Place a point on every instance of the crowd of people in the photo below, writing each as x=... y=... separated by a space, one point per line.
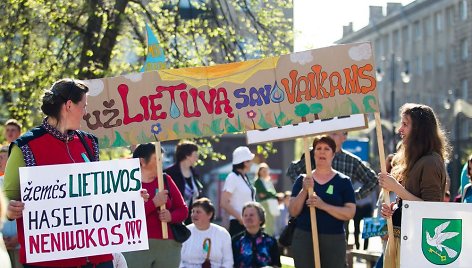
x=344 y=187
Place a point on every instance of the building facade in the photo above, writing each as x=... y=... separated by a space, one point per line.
x=423 y=54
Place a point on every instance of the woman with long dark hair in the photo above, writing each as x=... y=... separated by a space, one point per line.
x=419 y=172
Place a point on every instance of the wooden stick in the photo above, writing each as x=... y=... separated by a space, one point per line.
x=383 y=168
x=160 y=183
x=314 y=226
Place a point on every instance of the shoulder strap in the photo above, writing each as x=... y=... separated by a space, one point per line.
x=85 y=144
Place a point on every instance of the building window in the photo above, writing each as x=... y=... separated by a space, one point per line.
x=450 y=16
x=452 y=55
x=441 y=58
x=417 y=30
x=385 y=46
x=464 y=49
x=396 y=40
x=463 y=9
x=405 y=35
x=439 y=22
x=418 y=65
x=428 y=62
x=465 y=89
x=428 y=26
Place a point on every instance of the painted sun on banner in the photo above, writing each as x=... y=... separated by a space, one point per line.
x=230 y=98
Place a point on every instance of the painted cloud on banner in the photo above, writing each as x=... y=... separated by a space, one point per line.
x=95 y=86
x=301 y=57
x=360 y=52
x=135 y=77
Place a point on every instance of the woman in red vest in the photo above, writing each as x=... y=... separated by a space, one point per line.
x=55 y=141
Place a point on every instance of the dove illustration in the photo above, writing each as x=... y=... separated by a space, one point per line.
x=439 y=237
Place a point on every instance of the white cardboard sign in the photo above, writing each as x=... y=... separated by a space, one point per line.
x=351 y=122
x=82 y=209
x=436 y=234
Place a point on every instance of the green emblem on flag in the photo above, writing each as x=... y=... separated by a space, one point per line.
x=441 y=240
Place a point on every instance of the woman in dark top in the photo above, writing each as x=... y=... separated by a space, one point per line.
x=334 y=202
x=184 y=175
x=253 y=247
x=419 y=172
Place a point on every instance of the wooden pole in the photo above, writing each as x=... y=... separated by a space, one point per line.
x=383 y=168
x=314 y=226
x=160 y=183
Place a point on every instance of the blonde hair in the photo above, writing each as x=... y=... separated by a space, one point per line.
x=261 y=166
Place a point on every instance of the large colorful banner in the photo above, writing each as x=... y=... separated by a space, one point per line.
x=235 y=97
x=436 y=234
x=82 y=209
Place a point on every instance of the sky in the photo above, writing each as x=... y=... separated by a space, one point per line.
x=319 y=23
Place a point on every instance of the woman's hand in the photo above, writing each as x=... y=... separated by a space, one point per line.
x=164 y=215
x=11 y=242
x=15 y=209
x=316 y=202
x=160 y=198
x=144 y=194
x=387 y=210
x=388 y=182
x=308 y=183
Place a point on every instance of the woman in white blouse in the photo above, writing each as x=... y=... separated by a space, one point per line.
x=194 y=250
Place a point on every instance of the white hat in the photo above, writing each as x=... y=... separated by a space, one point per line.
x=241 y=154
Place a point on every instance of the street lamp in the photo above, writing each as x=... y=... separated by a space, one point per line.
x=405 y=77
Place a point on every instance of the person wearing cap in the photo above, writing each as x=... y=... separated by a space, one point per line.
x=237 y=189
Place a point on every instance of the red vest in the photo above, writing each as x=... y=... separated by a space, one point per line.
x=46 y=149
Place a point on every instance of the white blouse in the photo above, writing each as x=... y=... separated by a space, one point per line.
x=221 y=254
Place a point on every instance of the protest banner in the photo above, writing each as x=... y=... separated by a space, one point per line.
x=436 y=234
x=351 y=122
x=234 y=97
x=82 y=209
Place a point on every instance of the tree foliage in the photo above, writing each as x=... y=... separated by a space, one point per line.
x=44 y=40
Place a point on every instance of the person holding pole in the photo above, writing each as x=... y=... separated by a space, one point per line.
x=56 y=141
x=334 y=202
x=419 y=172
x=162 y=252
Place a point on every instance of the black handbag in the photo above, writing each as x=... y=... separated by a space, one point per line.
x=180 y=231
x=286 y=236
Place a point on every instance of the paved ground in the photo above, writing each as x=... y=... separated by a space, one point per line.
x=375 y=244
